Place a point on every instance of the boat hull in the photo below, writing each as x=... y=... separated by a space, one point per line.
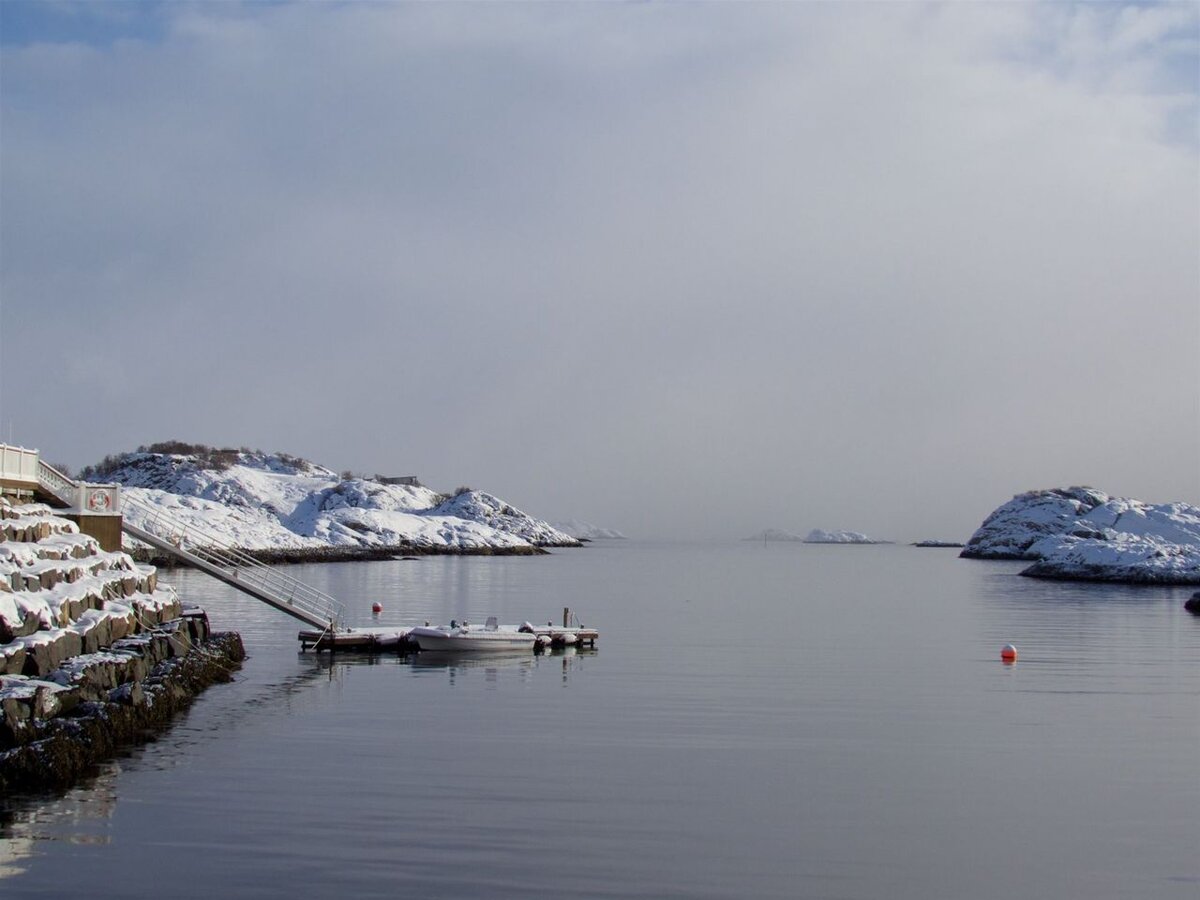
x=467 y=640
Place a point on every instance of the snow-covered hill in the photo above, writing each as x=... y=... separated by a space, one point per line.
x=1080 y=532
x=275 y=502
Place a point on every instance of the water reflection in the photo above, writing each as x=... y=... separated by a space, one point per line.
x=492 y=666
x=763 y=723
x=26 y=819
x=80 y=816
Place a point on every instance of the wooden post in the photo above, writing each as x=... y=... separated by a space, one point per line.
x=566 y=616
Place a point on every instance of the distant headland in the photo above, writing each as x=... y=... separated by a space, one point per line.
x=280 y=507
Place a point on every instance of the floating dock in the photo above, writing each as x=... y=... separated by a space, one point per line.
x=396 y=640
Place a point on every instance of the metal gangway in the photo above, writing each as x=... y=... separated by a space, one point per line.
x=211 y=554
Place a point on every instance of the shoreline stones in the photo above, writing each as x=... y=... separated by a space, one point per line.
x=95 y=654
x=51 y=736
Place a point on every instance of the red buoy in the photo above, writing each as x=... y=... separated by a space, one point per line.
x=1008 y=653
x=377 y=608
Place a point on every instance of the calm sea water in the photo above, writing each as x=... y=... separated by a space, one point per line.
x=757 y=721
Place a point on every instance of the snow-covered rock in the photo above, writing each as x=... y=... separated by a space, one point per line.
x=817 y=536
x=477 y=506
x=586 y=531
x=275 y=502
x=1119 y=557
x=1013 y=528
x=1080 y=532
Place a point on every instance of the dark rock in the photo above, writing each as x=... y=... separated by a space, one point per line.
x=15 y=726
x=45 y=703
x=54 y=753
x=130 y=694
x=13 y=661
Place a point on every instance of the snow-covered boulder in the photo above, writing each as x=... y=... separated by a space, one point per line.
x=817 y=536
x=1080 y=532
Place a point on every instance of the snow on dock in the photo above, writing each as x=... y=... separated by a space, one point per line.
x=384 y=639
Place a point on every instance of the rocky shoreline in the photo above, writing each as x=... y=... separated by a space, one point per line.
x=50 y=739
x=95 y=653
x=1133 y=575
x=155 y=557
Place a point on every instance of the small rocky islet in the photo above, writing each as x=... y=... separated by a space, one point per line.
x=815 y=536
x=1084 y=534
x=1072 y=533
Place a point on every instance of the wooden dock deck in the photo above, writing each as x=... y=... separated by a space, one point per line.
x=396 y=640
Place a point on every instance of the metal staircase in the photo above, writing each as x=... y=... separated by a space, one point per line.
x=211 y=554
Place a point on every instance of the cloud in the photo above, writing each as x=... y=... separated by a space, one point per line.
x=853 y=266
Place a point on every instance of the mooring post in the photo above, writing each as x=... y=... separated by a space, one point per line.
x=566 y=616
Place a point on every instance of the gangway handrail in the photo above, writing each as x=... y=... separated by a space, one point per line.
x=240 y=565
x=230 y=563
x=57 y=483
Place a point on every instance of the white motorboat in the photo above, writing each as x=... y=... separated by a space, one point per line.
x=459 y=637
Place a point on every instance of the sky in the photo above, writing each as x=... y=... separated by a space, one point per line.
x=684 y=270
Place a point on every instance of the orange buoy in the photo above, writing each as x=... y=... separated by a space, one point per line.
x=377 y=608
x=1008 y=653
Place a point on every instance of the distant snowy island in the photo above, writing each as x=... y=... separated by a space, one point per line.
x=816 y=536
x=280 y=505
x=586 y=531
x=1083 y=533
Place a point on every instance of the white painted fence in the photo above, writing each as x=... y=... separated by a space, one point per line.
x=18 y=463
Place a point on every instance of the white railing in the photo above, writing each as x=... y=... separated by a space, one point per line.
x=80 y=496
x=58 y=484
x=240 y=568
x=18 y=463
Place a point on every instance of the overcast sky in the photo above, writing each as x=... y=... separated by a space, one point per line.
x=669 y=268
